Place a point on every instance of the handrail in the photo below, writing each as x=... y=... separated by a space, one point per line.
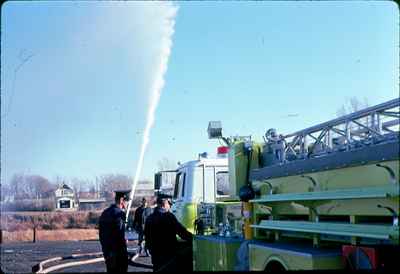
x=352 y=116
x=374 y=124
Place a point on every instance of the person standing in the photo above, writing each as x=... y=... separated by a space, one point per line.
x=161 y=228
x=147 y=211
x=138 y=224
x=112 y=234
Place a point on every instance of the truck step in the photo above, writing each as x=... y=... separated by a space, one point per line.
x=381 y=232
x=389 y=191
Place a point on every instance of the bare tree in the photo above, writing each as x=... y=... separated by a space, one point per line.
x=352 y=104
x=38 y=187
x=16 y=186
x=92 y=190
x=108 y=183
x=29 y=187
x=78 y=185
x=165 y=164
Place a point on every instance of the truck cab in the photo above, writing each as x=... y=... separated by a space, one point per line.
x=204 y=180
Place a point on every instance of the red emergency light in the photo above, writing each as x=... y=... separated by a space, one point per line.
x=222 y=150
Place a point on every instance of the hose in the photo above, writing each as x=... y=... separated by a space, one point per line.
x=40 y=266
x=56 y=267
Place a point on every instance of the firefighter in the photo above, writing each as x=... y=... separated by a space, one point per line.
x=160 y=232
x=112 y=234
x=141 y=213
x=146 y=213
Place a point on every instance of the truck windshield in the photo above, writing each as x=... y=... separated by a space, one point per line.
x=179 y=190
x=222 y=180
x=177 y=183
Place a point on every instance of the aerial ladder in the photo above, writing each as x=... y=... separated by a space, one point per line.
x=325 y=197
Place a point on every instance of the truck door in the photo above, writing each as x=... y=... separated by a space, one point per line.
x=208 y=184
x=179 y=194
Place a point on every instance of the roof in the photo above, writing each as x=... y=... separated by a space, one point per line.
x=101 y=200
x=65 y=186
x=206 y=162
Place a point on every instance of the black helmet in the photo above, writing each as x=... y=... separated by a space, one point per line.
x=161 y=197
x=122 y=194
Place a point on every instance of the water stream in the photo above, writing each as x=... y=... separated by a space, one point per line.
x=155 y=93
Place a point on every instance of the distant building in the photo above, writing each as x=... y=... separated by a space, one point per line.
x=92 y=203
x=87 y=195
x=144 y=189
x=65 y=198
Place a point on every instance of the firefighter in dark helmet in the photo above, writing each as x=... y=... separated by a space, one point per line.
x=112 y=234
x=161 y=228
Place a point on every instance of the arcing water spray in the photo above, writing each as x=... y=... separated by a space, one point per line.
x=158 y=84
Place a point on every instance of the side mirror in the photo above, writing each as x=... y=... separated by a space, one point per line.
x=157 y=181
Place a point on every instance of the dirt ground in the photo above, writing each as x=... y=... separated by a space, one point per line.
x=21 y=257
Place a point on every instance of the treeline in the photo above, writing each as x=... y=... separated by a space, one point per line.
x=28 y=205
x=36 y=193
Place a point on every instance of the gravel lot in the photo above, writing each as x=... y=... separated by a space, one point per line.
x=21 y=257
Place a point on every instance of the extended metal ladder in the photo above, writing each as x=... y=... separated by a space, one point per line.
x=371 y=125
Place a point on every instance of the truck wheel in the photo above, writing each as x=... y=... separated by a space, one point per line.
x=274 y=266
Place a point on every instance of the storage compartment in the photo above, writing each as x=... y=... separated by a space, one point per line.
x=215 y=253
x=286 y=256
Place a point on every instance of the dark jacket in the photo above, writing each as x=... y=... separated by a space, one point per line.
x=112 y=231
x=160 y=232
x=147 y=211
x=138 y=219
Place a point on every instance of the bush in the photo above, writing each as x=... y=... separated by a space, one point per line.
x=93 y=219
x=50 y=220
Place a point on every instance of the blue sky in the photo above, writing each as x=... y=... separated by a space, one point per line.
x=79 y=103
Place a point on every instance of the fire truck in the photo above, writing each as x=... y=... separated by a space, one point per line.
x=204 y=180
x=325 y=197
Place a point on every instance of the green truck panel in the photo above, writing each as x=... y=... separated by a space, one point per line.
x=266 y=257
x=215 y=253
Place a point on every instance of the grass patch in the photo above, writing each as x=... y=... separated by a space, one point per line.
x=20 y=221
x=51 y=235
